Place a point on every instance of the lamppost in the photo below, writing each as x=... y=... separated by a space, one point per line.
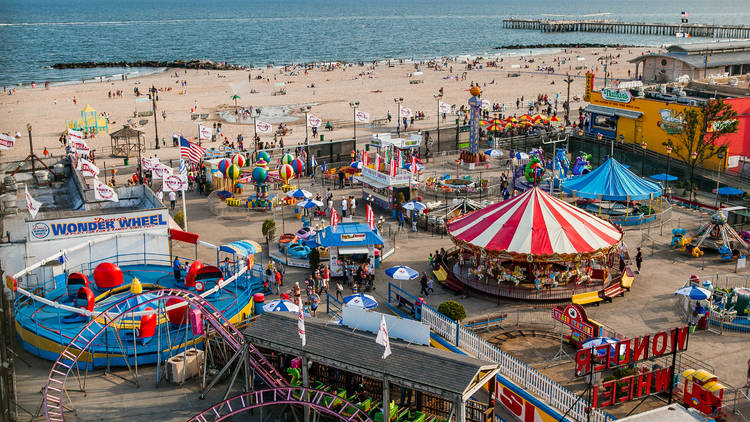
x=256 y=114
x=306 y=109
x=438 y=97
x=568 y=80
x=720 y=156
x=669 y=156
x=153 y=108
x=644 y=145
x=398 y=102
x=693 y=156
x=354 y=105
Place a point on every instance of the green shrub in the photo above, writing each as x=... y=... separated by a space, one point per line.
x=314 y=258
x=452 y=310
x=268 y=229
x=179 y=218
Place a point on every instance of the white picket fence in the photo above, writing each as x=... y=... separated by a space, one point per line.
x=520 y=373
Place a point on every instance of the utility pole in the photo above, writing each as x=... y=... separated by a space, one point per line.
x=568 y=80
x=438 y=97
x=306 y=110
x=153 y=107
x=354 y=105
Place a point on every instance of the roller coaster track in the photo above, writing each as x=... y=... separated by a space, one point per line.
x=322 y=401
x=54 y=390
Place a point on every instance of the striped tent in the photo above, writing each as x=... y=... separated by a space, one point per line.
x=535 y=226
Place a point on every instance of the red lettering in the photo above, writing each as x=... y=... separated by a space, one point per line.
x=659 y=347
x=602 y=350
x=623 y=352
x=595 y=396
x=583 y=362
x=662 y=378
x=625 y=389
x=644 y=384
x=682 y=335
x=512 y=402
x=529 y=415
x=608 y=390
x=640 y=347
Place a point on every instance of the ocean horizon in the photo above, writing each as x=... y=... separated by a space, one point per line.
x=36 y=34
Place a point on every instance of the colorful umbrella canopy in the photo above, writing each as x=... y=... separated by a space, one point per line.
x=414 y=205
x=239 y=160
x=309 y=203
x=419 y=167
x=298 y=165
x=356 y=165
x=264 y=156
x=260 y=174
x=287 y=158
x=535 y=223
x=401 y=272
x=224 y=166
x=554 y=119
x=493 y=125
x=279 y=305
x=299 y=194
x=361 y=300
x=599 y=341
x=233 y=172
x=494 y=153
x=694 y=293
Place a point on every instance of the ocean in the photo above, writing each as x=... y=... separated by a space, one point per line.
x=34 y=34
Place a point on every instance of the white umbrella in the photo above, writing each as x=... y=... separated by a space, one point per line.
x=694 y=293
x=299 y=194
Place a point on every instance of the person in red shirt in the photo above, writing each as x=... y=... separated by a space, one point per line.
x=278 y=281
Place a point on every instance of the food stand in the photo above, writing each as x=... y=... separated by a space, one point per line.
x=384 y=189
x=355 y=242
x=385 y=140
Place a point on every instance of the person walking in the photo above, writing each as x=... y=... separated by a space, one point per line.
x=638 y=261
x=352 y=205
x=160 y=196
x=423 y=283
x=172 y=199
x=314 y=302
x=344 y=206
x=339 y=291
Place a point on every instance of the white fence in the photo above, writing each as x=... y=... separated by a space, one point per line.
x=525 y=376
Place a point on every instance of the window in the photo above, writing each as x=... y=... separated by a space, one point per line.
x=605 y=122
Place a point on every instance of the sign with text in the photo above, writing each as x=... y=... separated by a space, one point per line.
x=174 y=182
x=6 y=141
x=96 y=225
x=618 y=95
x=589 y=86
x=160 y=170
x=631 y=387
x=574 y=316
x=313 y=121
x=353 y=237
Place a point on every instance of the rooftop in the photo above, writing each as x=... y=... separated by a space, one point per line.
x=696 y=60
x=710 y=47
x=349 y=234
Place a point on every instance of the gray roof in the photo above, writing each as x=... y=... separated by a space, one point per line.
x=709 y=47
x=126 y=132
x=409 y=364
x=696 y=61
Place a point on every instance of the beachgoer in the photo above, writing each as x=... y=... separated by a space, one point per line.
x=638 y=260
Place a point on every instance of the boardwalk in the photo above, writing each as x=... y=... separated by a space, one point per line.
x=616 y=27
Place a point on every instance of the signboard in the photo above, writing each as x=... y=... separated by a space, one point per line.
x=362 y=117
x=6 y=141
x=631 y=387
x=522 y=405
x=174 y=182
x=313 y=121
x=574 y=316
x=353 y=237
x=444 y=107
x=204 y=133
x=617 y=95
x=263 y=127
x=589 y=86
x=160 y=170
x=96 y=225
x=148 y=163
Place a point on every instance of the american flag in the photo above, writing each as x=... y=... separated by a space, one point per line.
x=684 y=14
x=183 y=167
x=191 y=151
x=370 y=217
x=334 y=219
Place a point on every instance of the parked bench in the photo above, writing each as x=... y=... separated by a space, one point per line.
x=612 y=292
x=586 y=298
x=487 y=321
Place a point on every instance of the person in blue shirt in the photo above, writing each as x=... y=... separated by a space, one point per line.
x=178 y=267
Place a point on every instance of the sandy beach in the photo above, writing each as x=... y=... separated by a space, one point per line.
x=328 y=92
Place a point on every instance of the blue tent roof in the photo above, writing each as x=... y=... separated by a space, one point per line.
x=349 y=234
x=613 y=182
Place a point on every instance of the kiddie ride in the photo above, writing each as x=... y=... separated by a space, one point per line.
x=703 y=392
x=716 y=234
x=363 y=402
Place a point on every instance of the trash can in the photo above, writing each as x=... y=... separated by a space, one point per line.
x=322 y=137
x=258 y=300
x=367 y=147
x=125 y=161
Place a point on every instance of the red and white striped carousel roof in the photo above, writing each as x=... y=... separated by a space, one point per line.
x=534 y=223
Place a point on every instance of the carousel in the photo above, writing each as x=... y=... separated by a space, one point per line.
x=535 y=247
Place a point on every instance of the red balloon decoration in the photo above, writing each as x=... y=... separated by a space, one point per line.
x=108 y=275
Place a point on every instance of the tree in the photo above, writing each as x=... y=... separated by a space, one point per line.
x=452 y=310
x=314 y=259
x=702 y=129
x=268 y=229
x=179 y=218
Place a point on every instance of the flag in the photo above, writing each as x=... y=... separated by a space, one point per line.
x=399 y=162
x=301 y=326
x=77 y=144
x=377 y=162
x=31 y=204
x=182 y=170
x=174 y=182
x=191 y=151
x=392 y=168
x=87 y=168
x=334 y=219
x=313 y=121
x=313 y=163
x=370 y=217
x=444 y=107
x=148 y=163
x=362 y=117
x=161 y=170
x=263 y=127
x=413 y=163
x=405 y=112
x=382 y=338
x=6 y=141
x=204 y=133
x=365 y=159
x=103 y=192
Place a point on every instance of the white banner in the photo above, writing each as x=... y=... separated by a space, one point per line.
x=486 y=104
x=444 y=107
x=160 y=170
x=313 y=121
x=362 y=117
x=98 y=225
x=31 y=204
x=263 y=127
x=103 y=192
x=204 y=133
x=77 y=143
x=7 y=141
x=405 y=112
x=87 y=168
x=174 y=182
x=75 y=134
x=148 y=163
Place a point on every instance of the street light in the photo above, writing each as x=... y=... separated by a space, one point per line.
x=398 y=102
x=306 y=109
x=669 y=156
x=644 y=145
x=354 y=105
x=438 y=97
x=256 y=114
x=568 y=80
x=720 y=156
x=153 y=108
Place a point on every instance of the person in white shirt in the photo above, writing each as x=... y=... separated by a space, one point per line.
x=160 y=196
x=344 y=206
x=172 y=199
x=352 y=205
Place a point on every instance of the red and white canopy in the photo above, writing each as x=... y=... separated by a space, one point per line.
x=534 y=223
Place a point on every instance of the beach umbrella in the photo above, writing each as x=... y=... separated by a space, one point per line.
x=280 y=305
x=356 y=165
x=239 y=160
x=309 y=203
x=492 y=125
x=287 y=158
x=264 y=156
x=522 y=156
x=414 y=205
x=233 y=172
x=525 y=117
x=224 y=165
x=299 y=194
x=598 y=341
x=361 y=300
x=728 y=190
x=286 y=173
x=537 y=117
x=512 y=119
x=401 y=272
x=554 y=119
x=663 y=177
x=298 y=166
x=260 y=175
x=493 y=153
x=694 y=293
x=419 y=167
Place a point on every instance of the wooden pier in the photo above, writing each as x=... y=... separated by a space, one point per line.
x=616 y=27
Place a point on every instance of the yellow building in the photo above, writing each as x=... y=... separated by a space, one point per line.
x=651 y=119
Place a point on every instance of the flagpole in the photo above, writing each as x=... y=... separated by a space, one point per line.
x=184 y=209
